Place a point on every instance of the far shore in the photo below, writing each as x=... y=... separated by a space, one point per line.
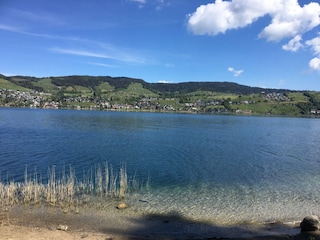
x=41 y=222
x=244 y=114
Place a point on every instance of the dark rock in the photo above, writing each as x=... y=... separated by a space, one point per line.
x=310 y=223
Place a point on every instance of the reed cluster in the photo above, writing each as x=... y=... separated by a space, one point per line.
x=65 y=189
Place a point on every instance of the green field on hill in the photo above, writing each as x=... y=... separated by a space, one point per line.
x=121 y=93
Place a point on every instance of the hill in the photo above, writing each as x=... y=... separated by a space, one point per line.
x=123 y=82
x=124 y=93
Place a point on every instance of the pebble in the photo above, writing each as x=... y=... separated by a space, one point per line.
x=62 y=227
x=122 y=206
x=84 y=235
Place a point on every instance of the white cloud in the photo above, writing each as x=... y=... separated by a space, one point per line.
x=314 y=64
x=86 y=47
x=288 y=17
x=236 y=73
x=294 y=44
x=9 y=28
x=20 y=31
x=158 y=4
x=292 y=19
x=103 y=52
x=161 y=4
x=139 y=1
x=218 y=17
x=314 y=44
x=101 y=64
x=44 y=17
x=163 y=81
x=80 y=53
x=289 y=20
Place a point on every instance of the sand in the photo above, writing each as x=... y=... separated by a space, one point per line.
x=41 y=222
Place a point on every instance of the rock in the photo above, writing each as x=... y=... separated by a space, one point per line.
x=62 y=227
x=310 y=223
x=84 y=235
x=122 y=206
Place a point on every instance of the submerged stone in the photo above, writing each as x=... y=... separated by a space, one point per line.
x=310 y=223
x=122 y=206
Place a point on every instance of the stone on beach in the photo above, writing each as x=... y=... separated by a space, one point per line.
x=62 y=227
x=310 y=223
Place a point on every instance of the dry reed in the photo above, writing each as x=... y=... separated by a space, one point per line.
x=123 y=181
x=99 y=181
x=65 y=190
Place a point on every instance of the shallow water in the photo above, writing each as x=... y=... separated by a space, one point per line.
x=224 y=169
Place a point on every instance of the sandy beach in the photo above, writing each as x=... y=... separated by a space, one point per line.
x=40 y=222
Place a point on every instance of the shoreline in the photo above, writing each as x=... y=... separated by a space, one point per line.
x=43 y=222
x=170 y=112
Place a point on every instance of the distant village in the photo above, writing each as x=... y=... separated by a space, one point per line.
x=35 y=99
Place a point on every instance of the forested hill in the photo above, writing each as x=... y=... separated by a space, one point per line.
x=130 y=94
x=223 y=87
x=124 y=82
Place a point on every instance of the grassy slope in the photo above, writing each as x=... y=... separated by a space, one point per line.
x=132 y=91
x=46 y=85
x=9 y=85
x=138 y=90
x=105 y=87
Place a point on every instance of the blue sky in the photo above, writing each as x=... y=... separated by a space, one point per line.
x=263 y=43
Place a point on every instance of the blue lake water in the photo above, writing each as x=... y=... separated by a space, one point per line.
x=225 y=169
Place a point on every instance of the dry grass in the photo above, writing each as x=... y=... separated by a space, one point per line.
x=66 y=191
x=99 y=181
x=123 y=181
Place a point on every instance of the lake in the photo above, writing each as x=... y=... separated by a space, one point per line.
x=226 y=169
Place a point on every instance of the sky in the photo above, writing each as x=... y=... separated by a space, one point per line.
x=260 y=43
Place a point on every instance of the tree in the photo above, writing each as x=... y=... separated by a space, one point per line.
x=59 y=96
x=226 y=104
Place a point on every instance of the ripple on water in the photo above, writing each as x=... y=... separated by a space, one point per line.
x=226 y=206
x=221 y=168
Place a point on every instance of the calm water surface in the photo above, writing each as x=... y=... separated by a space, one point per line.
x=219 y=168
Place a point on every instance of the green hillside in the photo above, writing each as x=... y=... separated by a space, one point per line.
x=123 y=93
x=51 y=84
x=10 y=85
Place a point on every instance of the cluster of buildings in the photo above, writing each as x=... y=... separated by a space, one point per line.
x=275 y=96
x=34 y=99
x=315 y=111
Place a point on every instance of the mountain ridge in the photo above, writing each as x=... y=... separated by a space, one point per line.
x=124 y=82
